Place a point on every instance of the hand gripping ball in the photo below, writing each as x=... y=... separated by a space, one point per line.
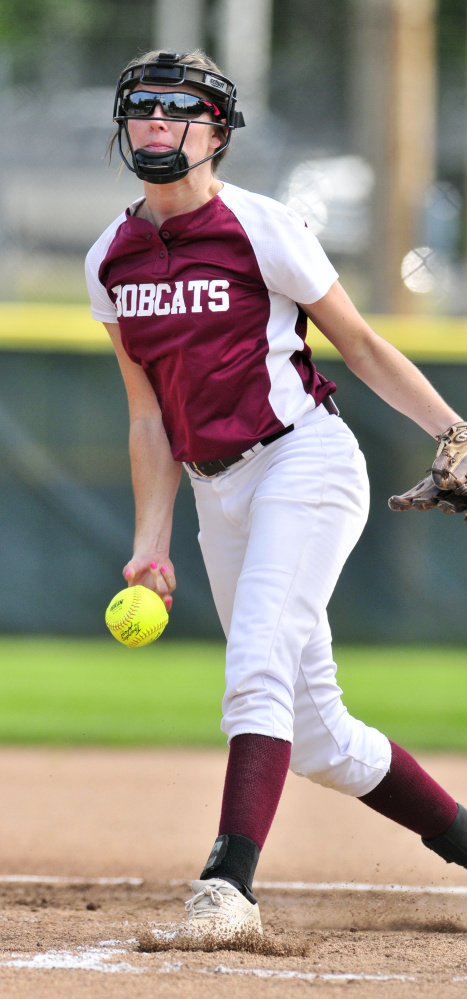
x=136 y=616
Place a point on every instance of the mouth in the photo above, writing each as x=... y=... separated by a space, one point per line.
x=158 y=147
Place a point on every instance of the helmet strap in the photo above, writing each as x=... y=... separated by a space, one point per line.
x=161 y=168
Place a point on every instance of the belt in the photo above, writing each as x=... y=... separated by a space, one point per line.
x=210 y=468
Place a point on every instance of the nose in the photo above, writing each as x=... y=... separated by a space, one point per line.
x=158 y=111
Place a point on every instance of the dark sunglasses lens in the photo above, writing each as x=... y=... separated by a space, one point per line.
x=184 y=106
x=142 y=103
x=195 y=106
x=139 y=103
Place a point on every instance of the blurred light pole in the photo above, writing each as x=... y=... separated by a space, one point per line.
x=244 y=46
x=394 y=90
x=178 y=24
x=243 y=40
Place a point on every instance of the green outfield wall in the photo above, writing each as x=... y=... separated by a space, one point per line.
x=66 y=508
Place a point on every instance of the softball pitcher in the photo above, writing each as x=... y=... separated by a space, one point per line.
x=205 y=290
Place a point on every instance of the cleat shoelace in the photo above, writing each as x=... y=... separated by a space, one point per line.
x=203 y=901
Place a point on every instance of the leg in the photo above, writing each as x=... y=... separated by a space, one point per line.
x=300 y=507
x=305 y=513
x=333 y=749
x=409 y=796
x=255 y=761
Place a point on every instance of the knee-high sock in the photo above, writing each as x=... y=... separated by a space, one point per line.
x=409 y=796
x=256 y=772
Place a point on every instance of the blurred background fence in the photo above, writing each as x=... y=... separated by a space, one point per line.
x=356 y=114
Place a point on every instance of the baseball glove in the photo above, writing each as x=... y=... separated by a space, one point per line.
x=426 y=495
x=449 y=469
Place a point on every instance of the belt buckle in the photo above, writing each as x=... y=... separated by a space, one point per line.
x=199 y=472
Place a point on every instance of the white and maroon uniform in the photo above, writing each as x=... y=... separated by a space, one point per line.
x=208 y=307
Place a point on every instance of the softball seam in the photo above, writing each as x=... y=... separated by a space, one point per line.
x=119 y=625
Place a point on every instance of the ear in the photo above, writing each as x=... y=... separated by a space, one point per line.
x=218 y=137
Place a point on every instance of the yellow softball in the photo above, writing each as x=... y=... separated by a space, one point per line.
x=136 y=616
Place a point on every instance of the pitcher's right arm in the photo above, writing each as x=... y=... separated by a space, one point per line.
x=155 y=477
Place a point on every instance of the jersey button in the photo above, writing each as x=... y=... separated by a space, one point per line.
x=162 y=253
x=165 y=234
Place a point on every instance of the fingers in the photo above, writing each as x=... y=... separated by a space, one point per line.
x=160 y=578
x=164 y=582
x=423 y=503
x=129 y=573
x=399 y=504
x=446 y=507
x=163 y=577
x=425 y=496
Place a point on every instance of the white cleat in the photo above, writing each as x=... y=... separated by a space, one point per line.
x=220 y=911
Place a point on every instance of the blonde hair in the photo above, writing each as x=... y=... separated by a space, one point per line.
x=199 y=60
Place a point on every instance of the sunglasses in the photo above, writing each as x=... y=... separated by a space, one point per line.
x=142 y=104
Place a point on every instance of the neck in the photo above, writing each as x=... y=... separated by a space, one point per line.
x=163 y=201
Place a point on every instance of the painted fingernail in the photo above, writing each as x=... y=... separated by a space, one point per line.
x=163 y=568
x=128 y=574
x=153 y=565
x=168 y=603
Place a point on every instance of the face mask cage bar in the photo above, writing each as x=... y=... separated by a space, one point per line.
x=167 y=70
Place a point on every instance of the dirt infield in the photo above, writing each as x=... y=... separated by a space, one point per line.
x=96 y=847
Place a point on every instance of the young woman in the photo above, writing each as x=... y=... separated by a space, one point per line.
x=205 y=290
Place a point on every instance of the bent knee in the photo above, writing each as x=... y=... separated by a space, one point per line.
x=349 y=771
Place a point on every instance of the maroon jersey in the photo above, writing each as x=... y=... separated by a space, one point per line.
x=208 y=307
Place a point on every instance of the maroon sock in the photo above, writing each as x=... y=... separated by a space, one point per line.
x=409 y=796
x=256 y=773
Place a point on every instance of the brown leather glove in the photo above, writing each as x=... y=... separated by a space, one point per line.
x=426 y=495
x=449 y=469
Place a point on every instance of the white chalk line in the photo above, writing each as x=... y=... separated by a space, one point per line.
x=173 y=967
x=310 y=976
x=351 y=886
x=57 y=879
x=102 y=958
x=362 y=887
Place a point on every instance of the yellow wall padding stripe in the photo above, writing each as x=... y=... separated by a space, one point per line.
x=49 y=327
x=42 y=326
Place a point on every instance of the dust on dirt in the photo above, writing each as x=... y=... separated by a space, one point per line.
x=149 y=818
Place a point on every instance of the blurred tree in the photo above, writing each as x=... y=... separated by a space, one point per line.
x=73 y=42
x=43 y=36
x=20 y=22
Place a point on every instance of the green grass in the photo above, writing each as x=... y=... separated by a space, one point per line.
x=417 y=696
x=99 y=692
x=84 y=691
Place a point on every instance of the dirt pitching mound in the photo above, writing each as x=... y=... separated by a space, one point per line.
x=252 y=942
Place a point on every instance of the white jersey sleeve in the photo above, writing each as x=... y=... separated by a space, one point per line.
x=102 y=307
x=291 y=260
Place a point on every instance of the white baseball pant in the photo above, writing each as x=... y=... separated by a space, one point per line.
x=275 y=532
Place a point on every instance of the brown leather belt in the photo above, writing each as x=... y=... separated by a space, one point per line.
x=210 y=468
